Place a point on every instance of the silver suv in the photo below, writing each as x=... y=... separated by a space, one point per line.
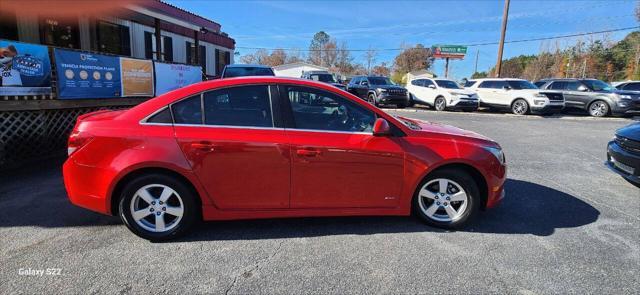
x=594 y=96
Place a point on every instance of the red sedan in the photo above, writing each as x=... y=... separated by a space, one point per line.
x=267 y=147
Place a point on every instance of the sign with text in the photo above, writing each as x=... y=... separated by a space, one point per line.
x=449 y=51
x=173 y=76
x=137 y=77
x=25 y=69
x=83 y=75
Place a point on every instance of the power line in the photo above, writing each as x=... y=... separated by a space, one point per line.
x=468 y=45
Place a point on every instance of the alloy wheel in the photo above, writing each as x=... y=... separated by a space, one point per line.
x=520 y=107
x=440 y=104
x=443 y=200
x=157 y=208
x=598 y=109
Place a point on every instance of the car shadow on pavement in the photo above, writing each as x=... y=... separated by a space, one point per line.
x=529 y=208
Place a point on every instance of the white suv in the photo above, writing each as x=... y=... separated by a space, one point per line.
x=442 y=94
x=520 y=96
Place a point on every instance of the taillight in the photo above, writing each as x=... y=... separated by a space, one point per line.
x=77 y=139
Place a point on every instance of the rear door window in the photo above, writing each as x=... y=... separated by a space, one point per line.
x=247 y=106
x=558 y=85
x=572 y=85
x=188 y=111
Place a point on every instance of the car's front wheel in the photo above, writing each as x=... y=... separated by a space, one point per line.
x=440 y=104
x=157 y=207
x=598 y=108
x=520 y=107
x=447 y=199
x=372 y=99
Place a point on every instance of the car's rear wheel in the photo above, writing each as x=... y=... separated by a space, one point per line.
x=440 y=104
x=520 y=107
x=157 y=207
x=598 y=108
x=447 y=199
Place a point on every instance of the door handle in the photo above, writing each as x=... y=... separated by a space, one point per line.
x=307 y=153
x=203 y=146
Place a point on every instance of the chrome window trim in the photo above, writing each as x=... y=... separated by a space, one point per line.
x=261 y=128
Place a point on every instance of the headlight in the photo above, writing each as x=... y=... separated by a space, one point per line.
x=381 y=90
x=539 y=95
x=625 y=96
x=458 y=93
x=498 y=153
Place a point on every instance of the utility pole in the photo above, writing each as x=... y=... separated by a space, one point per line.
x=475 y=69
x=446 y=67
x=505 y=16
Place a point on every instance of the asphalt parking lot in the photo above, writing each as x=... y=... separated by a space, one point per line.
x=568 y=225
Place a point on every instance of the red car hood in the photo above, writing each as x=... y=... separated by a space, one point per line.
x=430 y=127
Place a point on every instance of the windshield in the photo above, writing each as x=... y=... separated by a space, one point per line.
x=597 y=85
x=519 y=84
x=447 y=84
x=327 y=78
x=380 y=81
x=408 y=123
x=247 y=71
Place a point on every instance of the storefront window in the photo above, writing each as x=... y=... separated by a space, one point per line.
x=113 y=38
x=223 y=58
x=60 y=32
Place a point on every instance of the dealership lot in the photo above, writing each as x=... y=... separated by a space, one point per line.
x=568 y=225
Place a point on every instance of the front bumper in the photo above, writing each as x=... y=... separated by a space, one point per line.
x=632 y=107
x=392 y=98
x=465 y=104
x=623 y=162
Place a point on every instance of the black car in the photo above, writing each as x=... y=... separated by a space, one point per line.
x=241 y=70
x=378 y=90
x=322 y=76
x=594 y=96
x=623 y=153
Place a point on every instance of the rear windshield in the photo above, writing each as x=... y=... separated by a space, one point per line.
x=519 y=84
x=247 y=71
x=597 y=85
x=327 y=78
x=447 y=84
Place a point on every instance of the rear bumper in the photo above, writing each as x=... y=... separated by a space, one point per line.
x=616 y=154
x=85 y=186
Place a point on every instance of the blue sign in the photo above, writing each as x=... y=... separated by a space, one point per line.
x=24 y=68
x=84 y=75
x=173 y=76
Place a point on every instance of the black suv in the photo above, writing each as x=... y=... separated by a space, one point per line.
x=596 y=97
x=242 y=70
x=623 y=153
x=322 y=76
x=378 y=90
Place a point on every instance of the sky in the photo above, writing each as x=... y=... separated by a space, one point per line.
x=389 y=24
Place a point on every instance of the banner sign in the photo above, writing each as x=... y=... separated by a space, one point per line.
x=174 y=76
x=84 y=75
x=137 y=77
x=449 y=51
x=25 y=69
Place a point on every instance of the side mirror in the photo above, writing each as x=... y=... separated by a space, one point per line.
x=364 y=83
x=583 y=88
x=506 y=87
x=381 y=127
x=432 y=86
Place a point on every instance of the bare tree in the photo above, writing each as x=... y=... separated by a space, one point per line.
x=370 y=57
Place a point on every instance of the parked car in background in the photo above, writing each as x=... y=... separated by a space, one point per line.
x=627 y=85
x=378 y=90
x=243 y=70
x=520 y=96
x=442 y=94
x=594 y=96
x=323 y=76
x=623 y=153
x=207 y=150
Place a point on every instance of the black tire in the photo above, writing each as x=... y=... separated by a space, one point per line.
x=191 y=207
x=411 y=101
x=473 y=198
x=599 y=108
x=440 y=104
x=520 y=107
x=373 y=100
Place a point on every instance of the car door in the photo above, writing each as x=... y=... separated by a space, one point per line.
x=486 y=92
x=416 y=88
x=354 y=84
x=429 y=91
x=574 y=96
x=229 y=138
x=363 y=90
x=336 y=161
